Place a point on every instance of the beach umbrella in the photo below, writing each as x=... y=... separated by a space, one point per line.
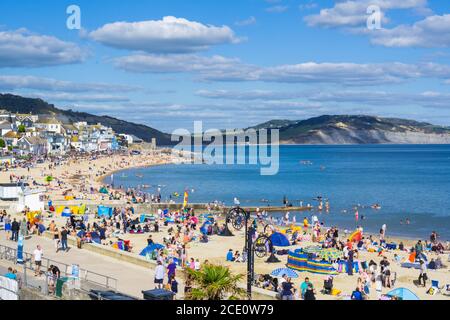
x=279 y=272
x=330 y=254
x=312 y=249
x=402 y=294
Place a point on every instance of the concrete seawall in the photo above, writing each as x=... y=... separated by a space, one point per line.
x=258 y=293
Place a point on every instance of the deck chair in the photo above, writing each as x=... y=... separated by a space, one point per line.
x=435 y=286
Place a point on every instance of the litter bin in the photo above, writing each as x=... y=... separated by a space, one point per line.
x=59 y=285
x=158 y=294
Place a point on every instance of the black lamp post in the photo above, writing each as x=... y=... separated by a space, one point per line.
x=239 y=218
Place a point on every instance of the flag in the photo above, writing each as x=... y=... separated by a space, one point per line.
x=186 y=199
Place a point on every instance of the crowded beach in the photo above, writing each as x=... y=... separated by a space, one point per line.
x=312 y=261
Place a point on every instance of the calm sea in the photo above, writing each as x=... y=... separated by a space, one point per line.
x=409 y=182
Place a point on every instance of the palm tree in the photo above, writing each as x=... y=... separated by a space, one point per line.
x=214 y=282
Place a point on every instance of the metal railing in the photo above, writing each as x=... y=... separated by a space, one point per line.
x=89 y=279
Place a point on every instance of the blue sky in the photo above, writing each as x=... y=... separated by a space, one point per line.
x=167 y=63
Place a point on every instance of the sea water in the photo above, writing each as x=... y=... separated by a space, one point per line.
x=408 y=182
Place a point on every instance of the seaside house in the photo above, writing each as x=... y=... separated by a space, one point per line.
x=132 y=139
x=50 y=125
x=57 y=143
x=7 y=116
x=5 y=127
x=32 y=145
x=11 y=138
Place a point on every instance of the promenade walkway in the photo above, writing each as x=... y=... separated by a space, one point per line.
x=132 y=279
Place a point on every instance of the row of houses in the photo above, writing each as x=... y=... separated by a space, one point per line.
x=41 y=134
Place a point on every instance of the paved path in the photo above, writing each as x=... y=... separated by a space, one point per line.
x=132 y=279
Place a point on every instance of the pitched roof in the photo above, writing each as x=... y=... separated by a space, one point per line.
x=10 y=134
x=49 y=121
x=5 y=125
x=35 y=140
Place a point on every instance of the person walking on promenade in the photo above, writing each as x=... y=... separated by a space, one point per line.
x=159 y=275
x=63 y=237
x=15 y=227
x=37 y=255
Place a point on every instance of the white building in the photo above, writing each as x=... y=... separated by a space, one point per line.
x=31 y=199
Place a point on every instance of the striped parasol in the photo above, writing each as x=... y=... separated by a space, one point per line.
x=284 y=271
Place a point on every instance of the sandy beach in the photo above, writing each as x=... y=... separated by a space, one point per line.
x=80 y=174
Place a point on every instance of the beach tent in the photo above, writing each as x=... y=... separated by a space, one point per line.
x=146 y=217
x=170 y=220
x=279 y=240
x=204 y=227
x=403 y=294
x=41 y=228
x=103 y=211
x=356 y=236
x=104 y=190
x=66 y=212
x=208 y=216
x=150 y=249
x=95 y=238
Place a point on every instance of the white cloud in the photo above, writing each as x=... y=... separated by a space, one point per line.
x=247 y=95
x=14 y=82
x=427 y=99
x=433 y=31
x=20 y=48
x=315 y=98
x=70 y=97
x=246 y=22
x=208 y=67
x=218 y=68
x=351 y=13
x=307 y=6
x=169 y=35
x=277 y=9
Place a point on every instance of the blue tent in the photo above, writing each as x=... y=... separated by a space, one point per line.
x=403 y=294
x=96 y=238
x=204 y=227
x=41 y=228
x=279 y=240
x=66 y=212
x=146 y=217
x=103 y=211
x=150 y=249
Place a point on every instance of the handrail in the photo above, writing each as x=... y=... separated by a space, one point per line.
x=10 y=254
